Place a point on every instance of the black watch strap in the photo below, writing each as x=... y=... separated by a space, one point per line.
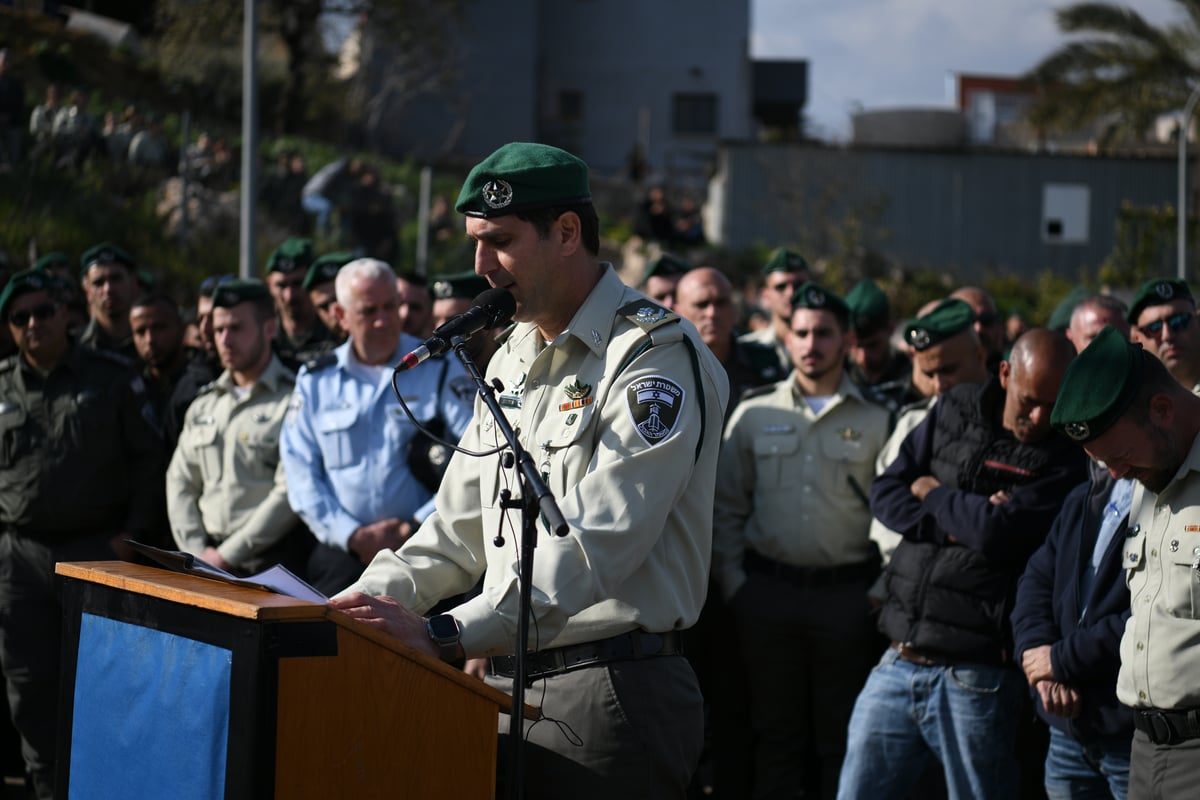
x=444 y=632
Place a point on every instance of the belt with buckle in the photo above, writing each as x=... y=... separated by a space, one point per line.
x=913 y=656
x=626 y=647
x=1167 y=727
x=864 y=571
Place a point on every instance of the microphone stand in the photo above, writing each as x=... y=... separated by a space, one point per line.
x=535 y=498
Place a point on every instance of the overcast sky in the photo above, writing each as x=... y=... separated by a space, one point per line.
x=886 y=53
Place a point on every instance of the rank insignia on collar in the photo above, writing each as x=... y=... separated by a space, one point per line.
x=648 y=314
x=849 y=435
x=597 y=338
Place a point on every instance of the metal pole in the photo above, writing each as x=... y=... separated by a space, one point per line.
x=423 y=220
x=185 y=169
x=246 y=262
x=1181 y=204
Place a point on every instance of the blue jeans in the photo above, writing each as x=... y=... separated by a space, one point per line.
x=963 y=715
x=1093 y=771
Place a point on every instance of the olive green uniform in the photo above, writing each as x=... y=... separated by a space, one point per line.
x=79 y=464
x=225 y=484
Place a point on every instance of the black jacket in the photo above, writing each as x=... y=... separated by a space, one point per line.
x=1084 y=632
x=950 y=583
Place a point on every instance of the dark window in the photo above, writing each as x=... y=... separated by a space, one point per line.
x=695 y=113
x=570 y=105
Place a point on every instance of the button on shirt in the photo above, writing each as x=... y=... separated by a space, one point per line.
x=1160 y=651
x=345 y=440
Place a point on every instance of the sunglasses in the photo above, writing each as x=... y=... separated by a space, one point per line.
x=41 y=312
x=1177 y=323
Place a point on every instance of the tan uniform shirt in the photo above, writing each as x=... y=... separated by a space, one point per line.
x=793 y=483
x=225 y=480
x=912 y=416
x=1160 y=651
x=628 y=439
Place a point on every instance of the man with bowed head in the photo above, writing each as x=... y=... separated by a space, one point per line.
x=973 y=492
x=1130 y=413
x=619 y=403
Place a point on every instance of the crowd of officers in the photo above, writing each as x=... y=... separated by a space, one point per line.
x=908 y=558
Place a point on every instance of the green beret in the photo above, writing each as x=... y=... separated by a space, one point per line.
x=523 y=176
x=326 y=268
x=24 y=282
x=810 y=295
x=1098 y=386
x=785 y=261
x=948 y=318
x=1060 y=318
x=55 y=259
x=1156 y=292
x=238 y=290
x=295 y=253
x=105 y=253
x=666 y=266
x=869 y=305
x=464 y=286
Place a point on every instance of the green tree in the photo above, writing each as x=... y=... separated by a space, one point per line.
x=1118 y=70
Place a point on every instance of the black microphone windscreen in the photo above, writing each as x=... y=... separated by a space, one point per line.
x=500 y=303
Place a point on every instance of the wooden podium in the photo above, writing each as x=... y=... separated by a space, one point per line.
x=183 y=687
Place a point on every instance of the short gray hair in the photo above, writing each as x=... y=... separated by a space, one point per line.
x=369 y=269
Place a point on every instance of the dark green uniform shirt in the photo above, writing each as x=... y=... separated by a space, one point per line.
x=295 y=354
x=78 y=455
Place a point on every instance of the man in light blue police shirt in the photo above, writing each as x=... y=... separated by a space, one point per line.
x=346 y=440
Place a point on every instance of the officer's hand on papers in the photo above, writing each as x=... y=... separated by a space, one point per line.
x=388 y=616
x=213 y=556
x=386 y=534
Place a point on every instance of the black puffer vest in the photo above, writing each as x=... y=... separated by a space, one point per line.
x=947 y=599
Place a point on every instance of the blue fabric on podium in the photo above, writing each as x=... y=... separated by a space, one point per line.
x=151 y=714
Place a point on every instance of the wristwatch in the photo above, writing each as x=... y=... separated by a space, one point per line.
x=444 y=633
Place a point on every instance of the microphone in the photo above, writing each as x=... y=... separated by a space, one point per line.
x=491 y=309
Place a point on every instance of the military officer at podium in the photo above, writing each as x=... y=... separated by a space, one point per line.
x=620 y=404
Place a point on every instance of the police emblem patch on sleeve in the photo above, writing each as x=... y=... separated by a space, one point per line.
x=654 y=406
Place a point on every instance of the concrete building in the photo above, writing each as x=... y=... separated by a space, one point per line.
x=672 y=77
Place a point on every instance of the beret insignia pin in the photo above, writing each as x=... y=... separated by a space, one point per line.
x=1164 y=290
x=919 y=338
x=1077 y=430
x=815 y=298
x=497 y=193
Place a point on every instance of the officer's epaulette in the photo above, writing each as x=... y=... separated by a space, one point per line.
x=646 y=314
x=206 y=388
x=503 y=335
x=323 y=361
